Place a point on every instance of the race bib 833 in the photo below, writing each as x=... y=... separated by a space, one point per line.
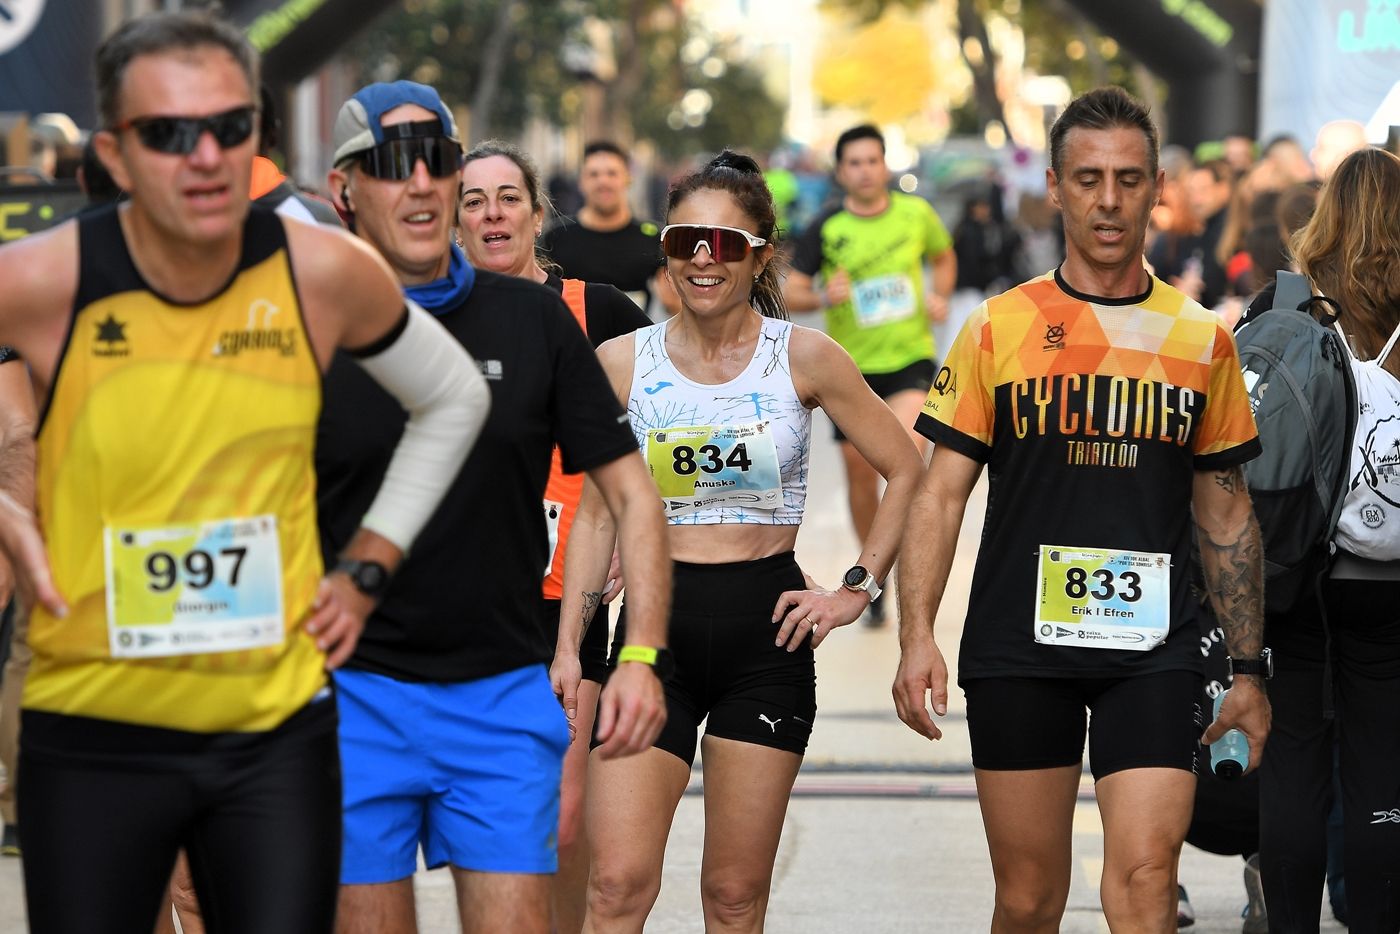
x=1102 y=599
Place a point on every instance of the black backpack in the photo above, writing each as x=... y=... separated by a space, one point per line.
x=1302 y=392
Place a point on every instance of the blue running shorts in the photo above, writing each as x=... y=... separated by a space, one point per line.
x=468 y=771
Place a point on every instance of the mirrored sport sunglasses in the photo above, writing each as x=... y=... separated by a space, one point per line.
x=179 y=135
x=394 y=159
x=725 y=244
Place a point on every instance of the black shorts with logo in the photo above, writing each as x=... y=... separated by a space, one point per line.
x=1143 y=721
x=917 y=375
x=729 y=673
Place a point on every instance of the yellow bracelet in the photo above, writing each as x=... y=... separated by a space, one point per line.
x=637 y=653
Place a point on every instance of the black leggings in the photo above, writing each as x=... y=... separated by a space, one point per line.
x=1296 y=775
x=258 y=814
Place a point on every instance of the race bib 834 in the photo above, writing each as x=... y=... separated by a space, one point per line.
x=705 y=466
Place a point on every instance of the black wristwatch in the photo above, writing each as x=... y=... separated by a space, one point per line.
x=369 y=577
x=662 y=662
x=1261 y=667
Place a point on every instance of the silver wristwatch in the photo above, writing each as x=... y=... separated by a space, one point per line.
x=861 y=580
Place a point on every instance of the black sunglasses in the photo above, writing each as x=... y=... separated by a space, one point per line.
x=404 y=144
x=179 y=135
x=394 y=159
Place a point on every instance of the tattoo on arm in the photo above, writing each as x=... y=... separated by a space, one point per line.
x=1234 y=573
x=1229 y=480
x=591 y=599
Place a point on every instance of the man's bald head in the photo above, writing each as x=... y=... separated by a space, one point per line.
x=1335 y=141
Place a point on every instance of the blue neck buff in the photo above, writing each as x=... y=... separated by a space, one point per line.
x=442 y=295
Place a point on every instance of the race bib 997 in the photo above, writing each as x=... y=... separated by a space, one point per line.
x=190 y=589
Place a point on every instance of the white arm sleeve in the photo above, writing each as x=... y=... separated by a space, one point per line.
x=438 y=382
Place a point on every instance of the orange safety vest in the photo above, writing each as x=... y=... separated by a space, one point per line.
x=564 y=490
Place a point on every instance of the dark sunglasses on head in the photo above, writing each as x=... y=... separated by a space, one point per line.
x=394 y=159
x=726 y=244
x=179 y=135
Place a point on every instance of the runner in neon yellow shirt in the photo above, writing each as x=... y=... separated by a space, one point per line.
x=869 y=253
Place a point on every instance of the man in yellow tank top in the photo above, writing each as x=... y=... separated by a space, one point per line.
x=163 y=524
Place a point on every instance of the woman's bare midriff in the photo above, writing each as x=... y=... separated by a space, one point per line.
x=722 y=544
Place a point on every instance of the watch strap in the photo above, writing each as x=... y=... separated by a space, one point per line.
x=645 y=654
x=867 y=585
x=353 y=568
x=1260 y=667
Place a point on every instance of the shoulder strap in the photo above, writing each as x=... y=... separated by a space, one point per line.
x=1389 y=346
x=1292 y=291
x=573 y=297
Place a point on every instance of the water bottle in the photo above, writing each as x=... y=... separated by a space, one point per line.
x=1229 y=755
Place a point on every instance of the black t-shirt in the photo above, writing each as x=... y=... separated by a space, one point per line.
x=608 y=312
x=1093 y=416
x=466 y=602
x=626 y=258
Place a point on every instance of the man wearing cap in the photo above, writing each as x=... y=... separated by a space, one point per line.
x=451 y=737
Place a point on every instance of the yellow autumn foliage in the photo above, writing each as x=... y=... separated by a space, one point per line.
x=884 y=69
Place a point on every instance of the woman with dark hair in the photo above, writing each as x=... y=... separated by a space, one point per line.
x=500 y=214
x=1350 y=249
x=720 y=400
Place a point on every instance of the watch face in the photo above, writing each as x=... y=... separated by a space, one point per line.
x=855 y=576
x=665 y=665
x=371 y=577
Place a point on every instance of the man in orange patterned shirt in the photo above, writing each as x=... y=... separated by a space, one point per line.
x=1110 y=410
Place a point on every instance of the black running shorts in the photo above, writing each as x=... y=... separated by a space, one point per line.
x=729 y=673
x=106 y=807
x=593 y=651
x=1146 y=721
x=917 y=375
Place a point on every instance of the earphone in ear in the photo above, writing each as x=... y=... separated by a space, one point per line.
x=345 y=198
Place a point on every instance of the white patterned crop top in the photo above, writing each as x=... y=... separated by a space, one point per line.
x=727 y=453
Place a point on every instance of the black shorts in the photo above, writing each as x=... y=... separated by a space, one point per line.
x=106 y=807
x=729 y=673
x=1145 y=721
x=593 y=651
x=917 y=375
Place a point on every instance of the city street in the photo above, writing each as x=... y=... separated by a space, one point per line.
x=883 y=834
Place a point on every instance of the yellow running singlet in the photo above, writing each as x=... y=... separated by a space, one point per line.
x=177 y=497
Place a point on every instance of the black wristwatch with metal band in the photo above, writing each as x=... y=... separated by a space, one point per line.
x=1261 y=667
x=369 y=577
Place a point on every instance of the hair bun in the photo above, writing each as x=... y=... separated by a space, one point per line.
x=729 y=159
